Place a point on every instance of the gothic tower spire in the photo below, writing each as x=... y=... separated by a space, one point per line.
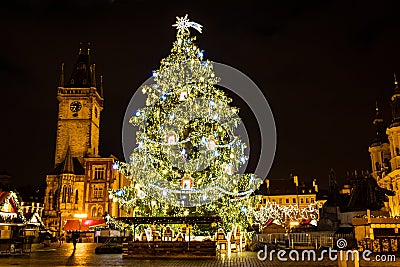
x=79 y=110
x=394 y=129
x=81 y=74
x=62 y=75
x=93 y=74
x=379 y=149
x=68 y=163
x=395 y=103
x=101 y=86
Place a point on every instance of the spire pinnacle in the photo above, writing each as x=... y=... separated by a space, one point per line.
x=378 y=119
x=396 y=84
x=93 y=74
x=68 y=163
x=62 y=75
x=101 y=85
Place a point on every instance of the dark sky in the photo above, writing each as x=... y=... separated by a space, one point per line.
x=320 y=64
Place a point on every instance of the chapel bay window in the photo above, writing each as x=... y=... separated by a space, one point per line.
x=98 y=192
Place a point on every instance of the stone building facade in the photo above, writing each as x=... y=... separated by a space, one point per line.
x=385 y=152
x=78 y=186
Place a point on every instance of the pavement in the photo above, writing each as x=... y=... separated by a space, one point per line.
x=84 y=255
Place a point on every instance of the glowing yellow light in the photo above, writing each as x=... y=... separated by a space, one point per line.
x=80 y=215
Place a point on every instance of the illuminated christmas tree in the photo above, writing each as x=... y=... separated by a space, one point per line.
x=187 y=154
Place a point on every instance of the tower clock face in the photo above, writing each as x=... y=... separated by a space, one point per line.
x=75 y=106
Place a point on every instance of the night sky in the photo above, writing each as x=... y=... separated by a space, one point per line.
x=320 y=64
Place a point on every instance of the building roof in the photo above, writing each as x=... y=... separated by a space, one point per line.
x=71 y=166
x=76 y=225
x=83 y=74
x=368 y=195
x=285 y=187
x=380 y=128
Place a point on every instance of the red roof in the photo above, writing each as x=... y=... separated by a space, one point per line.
x=3 y=196
x=73 y=225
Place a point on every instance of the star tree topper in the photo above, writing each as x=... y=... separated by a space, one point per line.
x=183 y=24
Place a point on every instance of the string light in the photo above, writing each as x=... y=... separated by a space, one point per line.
x=192 y=166
x=283 y=215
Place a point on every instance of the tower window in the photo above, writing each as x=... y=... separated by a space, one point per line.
x=64 y=194
x=95 y=112
x=69 y=194
x=99 y=173
x=76 y=196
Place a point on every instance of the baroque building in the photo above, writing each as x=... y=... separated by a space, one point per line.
x=385 y=152
x=77 y=188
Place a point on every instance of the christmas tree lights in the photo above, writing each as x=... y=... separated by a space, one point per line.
x=188 y=154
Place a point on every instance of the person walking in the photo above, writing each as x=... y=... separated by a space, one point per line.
x=61 y=239
x=75 y=238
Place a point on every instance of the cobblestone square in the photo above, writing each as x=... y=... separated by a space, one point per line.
x=85 y=256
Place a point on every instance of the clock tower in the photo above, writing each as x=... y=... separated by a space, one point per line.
x=79 y=108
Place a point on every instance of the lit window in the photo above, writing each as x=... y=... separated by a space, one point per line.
x=94 y=212
x=99 y=173
x=100 y=211
x=64 y=194
x=98 y=192
x=76 y=196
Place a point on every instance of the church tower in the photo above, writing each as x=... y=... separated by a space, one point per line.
x=80 y=105
x=394 y=129
x=380 y=149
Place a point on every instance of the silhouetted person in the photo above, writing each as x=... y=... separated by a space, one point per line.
x=75 y=236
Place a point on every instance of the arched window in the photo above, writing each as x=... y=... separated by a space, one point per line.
x=64 y=194
x=100 y=211
x=55 y=199
x=49 y=199
x=69 y=194
x=76 y=196
x=94 y=212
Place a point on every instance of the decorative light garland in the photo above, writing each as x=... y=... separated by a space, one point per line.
x=282 y=215
x=186 y=132
x=12 y=196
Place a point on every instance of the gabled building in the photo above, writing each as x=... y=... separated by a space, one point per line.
x=289 y=191
x=77 y=188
